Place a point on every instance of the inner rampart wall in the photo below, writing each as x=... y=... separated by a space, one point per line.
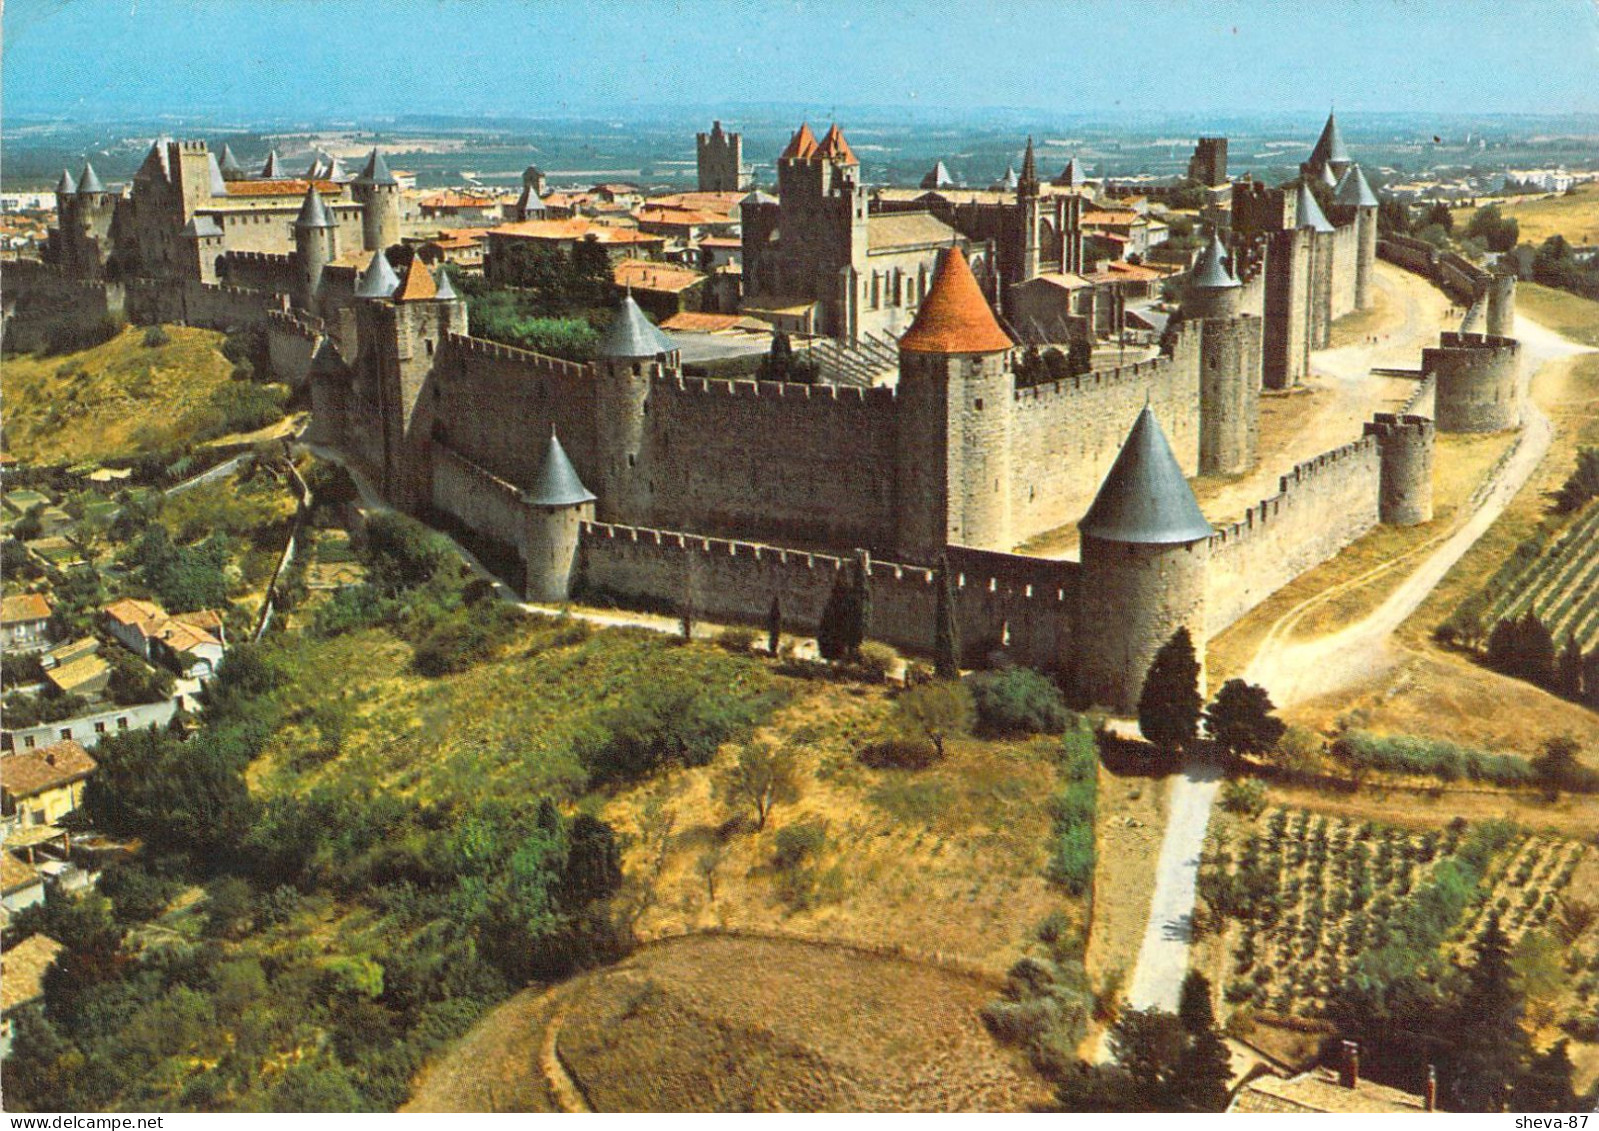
x=1066 y=434
x=808 y=464
x=482 y=501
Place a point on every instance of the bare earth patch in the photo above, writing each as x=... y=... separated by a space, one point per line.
x=712 y=1023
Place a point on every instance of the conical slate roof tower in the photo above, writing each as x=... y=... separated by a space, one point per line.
x=1145 y=498
x=630 y=334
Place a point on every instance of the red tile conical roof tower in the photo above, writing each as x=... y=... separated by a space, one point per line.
x=955 y=317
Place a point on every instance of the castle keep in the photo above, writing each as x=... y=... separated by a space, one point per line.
x=626 y=477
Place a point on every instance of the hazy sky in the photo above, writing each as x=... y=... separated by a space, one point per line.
x=103 y=57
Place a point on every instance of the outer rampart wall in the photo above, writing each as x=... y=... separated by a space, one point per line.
x=482 y=501
x=44 y=290
x=1321 y=506
x=996 y=595
x=1066 y=434
x=793 y=463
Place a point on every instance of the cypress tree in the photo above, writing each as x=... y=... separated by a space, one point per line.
x=1537 y=651
x=774 y=625
x=946 y=633
x=832 y=633
x=1590 y=679
x=1503 y=646
x=1490 y=1046
x=1546 y=1084
x=1204 y=1068
x=858 y=623
x=1169 y=705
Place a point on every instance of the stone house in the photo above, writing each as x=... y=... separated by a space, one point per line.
x=25 y=622
x=39 y=787
x=22 y=971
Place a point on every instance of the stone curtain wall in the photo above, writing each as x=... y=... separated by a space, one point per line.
x=1028 y=600
x=793 y=463
x=1321 y=506
x=43 y=289
x=291 y=343
x=482 y=501
x=497 y=405
x=1066 y=434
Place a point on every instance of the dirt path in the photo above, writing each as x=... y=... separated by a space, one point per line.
x=1297 y=671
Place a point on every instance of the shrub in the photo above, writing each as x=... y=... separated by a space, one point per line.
x=739 y=641
x=1018 y=701
x=156 y=336
x=798 y=844
x=934 y=712
x=897 y=751
x=466 y=638
x=1243 y=796
x=876 y=661
x=1446 y=761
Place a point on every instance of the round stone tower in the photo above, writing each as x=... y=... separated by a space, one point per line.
x=1405 y=444
x=631 y=354
x=557 y=507
x=1213 y=291
x=1145 y=552
x=316 y=236
x=1354 y=201
x=954 y=413
x=1478 y=382
x=1502 y=305
x=378 y=193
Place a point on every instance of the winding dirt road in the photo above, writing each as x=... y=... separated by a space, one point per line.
x=1299 y=670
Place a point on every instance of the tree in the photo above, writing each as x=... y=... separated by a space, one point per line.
x=1241 y=719
x=1546 y=1085
x=1490 y=1045
x=1204 y=1068
x=1497 y=232
x=1580 y=486
x=1393 y=217
x=1147 y=1045
x=400 y=553
x=1169 y=705
x=946 y=632
x=593 y=868
x=774 y=625
x=763 y=776
x=934 y=711
x=847 y=616
x=860 y=622
x=1557 y=764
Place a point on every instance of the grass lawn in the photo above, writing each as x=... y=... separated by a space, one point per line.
x=118 y=398
x=1574 y=215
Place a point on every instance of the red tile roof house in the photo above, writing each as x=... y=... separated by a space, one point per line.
x=25 y=622
x=192 y=643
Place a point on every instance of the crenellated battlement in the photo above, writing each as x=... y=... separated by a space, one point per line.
x=1395 y=425
x=1340 y=460
x=1451 y=339
x=1093 y=381
x=779 y=390
x=263 y=258
x=478 y=473
x=296 y=324
x=542 y=365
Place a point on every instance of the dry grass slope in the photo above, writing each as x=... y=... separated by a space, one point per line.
x=117 y=398
x=730 y=1024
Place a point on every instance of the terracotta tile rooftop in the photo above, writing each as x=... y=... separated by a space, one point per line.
x=450 y=198
x=720 y=202
x=22 y=971
x=77 y=673
x=576 y=228
x=24 y=608
x=139 y=614
x=722 y=241
x=802 y=146
x=1109 y=216
x=15 y=875
x=954 y=317
x=294 y=188
x=647 y=275
x=418 y=285
x=704 y=322
x=1320 y=1091
x=31 y=772
x=835 y=148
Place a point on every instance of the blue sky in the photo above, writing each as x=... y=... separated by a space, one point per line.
x=100 y=58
